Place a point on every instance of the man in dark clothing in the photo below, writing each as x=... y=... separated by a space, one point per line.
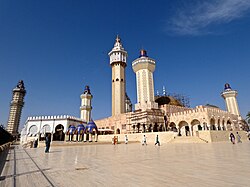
x=47 y=143
x=157 y=140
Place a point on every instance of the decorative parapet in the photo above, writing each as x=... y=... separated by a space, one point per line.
x=200 y=109
x=58 y=117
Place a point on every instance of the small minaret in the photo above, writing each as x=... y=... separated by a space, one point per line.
x=144 y=68
x=16 y=106
x=86 y=107
x=118 y=62
x=229 y=96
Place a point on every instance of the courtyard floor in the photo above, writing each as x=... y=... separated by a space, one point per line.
x=216 y=164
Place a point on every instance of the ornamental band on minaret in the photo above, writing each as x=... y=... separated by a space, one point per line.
x=16 y=106
x=118 y=62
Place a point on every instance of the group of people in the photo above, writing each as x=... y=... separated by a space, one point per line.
x=232 y=138
x=144 y=140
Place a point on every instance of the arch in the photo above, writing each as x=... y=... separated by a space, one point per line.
x=160 y=128
x=138 y=127
x=117 y=79
x=59 y=135
x=195 y=125
x=183 y=128
x=150 y=128
x=172 y=127
x=45 y=129
x=212 y=124
x=118 y=131
x=33 y=130
x=229 y=124
x=155 y=128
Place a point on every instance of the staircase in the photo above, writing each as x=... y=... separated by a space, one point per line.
x=187 y=139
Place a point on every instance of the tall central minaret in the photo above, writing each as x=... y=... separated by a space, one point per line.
x=16 y=106
x=118 y=62
x=144 y=68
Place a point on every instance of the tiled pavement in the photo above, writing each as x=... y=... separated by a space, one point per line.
x=217 y=164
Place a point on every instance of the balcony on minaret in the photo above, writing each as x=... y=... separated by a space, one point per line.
x=118 y=53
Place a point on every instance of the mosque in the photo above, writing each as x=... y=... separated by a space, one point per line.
x=152 y=113
x=161 y=113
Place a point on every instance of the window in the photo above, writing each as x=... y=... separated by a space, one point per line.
x=124 y=126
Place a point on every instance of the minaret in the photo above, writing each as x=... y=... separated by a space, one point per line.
x=118 y=62
x=230 y=98
x=16 y=106
x=86 y=107
x=144 y=68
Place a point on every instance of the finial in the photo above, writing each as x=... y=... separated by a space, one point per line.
x=143 y=53
x=20 y=85
x=86 y=90
x=118 y=38
x=227 y=87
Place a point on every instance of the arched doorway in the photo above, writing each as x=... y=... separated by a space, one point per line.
x=184 y=129
x=195 y=123
x=155 y=128
x=150 y=128
x=118 y=131
x=44 y=132
x=172 y=127
x=59 y=135
x=212 y=124
x=199 y=128
x=138 y=127
x=33 y=130
x=229 y=125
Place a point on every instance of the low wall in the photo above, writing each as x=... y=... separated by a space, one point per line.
x=221 y=136
x=164 y=137
x=4 y=149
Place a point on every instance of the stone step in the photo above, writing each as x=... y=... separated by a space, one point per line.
x=187 y=139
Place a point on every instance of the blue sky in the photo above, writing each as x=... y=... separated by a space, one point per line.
x=58 y=47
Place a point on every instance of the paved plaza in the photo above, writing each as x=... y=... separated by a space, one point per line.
x=217 y=164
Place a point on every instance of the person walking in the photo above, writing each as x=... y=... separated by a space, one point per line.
x=47 y=143
x=144 y=140
x=157 y=140
x=36 y=143
x=238 y=138
x=232 y=138
x=126 y=139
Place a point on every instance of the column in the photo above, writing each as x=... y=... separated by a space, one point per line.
x=84 y=137
x=96 y=136
x=90 y=137
x=216 y=127
x=190 y=130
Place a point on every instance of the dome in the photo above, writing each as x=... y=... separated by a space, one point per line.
x=80 y=127
x=72 y=128
x=90 y=126
x=169 y=100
